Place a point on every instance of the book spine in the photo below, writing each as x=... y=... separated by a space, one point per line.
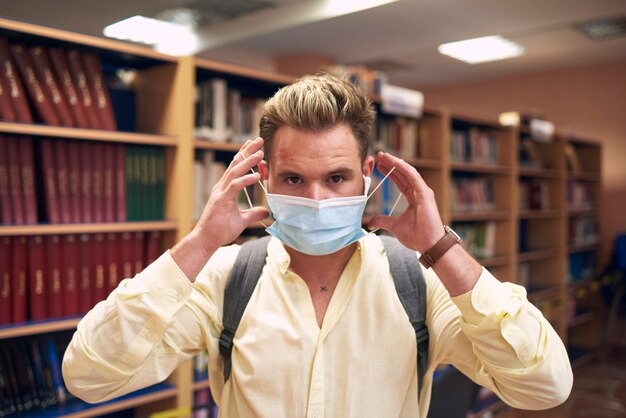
x=138 y=251
x=49 y=180
x=86 y=176
x=113 y=262
x=71 y=275
x=120 y=182
x=19 y=279
x=43 y=69
x=99 y=91
x=6 y=210
x=126 y=248
x=98 y=182
x=14 y=84
x=153 y=247
x=6 y=248
x=62 y=71
x=99 y=261
x=36 y=89
x=38 y=309
x=7 y=111
x=79 y=78
x=29 y=192
x=74 y=180
x=85 y=300
x=108 y=188
x=15 y=181
x=54 y=290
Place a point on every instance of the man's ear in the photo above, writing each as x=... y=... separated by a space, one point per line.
x=264 y=169
x=368 y=166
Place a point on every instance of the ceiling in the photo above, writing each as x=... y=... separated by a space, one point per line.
x=405 y=33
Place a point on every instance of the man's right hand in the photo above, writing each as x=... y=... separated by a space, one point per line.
x=222 y=221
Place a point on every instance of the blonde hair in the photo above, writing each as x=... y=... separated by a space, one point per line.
x=318 y=103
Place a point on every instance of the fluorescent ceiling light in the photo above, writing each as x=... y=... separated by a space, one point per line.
x=485 y=49
x=164 y=36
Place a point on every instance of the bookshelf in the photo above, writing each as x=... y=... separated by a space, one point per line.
x=482 y=175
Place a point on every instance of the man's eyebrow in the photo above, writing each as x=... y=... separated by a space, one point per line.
x=346 y=171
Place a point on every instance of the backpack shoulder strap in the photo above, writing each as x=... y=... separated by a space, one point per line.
x=411 y=289
x=241 y=283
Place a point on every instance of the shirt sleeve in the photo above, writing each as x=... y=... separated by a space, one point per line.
x=494 y=335
x=143 y=331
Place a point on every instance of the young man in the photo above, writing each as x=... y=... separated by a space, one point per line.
x=324 y=333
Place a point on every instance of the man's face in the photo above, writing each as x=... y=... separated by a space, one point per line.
x=317 y=165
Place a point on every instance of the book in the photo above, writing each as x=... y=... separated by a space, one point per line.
x=62 y=181
x=62 y=71
x=6 y=249
x=70 y=274
x=74 y=180
x=126 y=259
x=120 y=182
x=79 y=77
x=113 y=265
x=99 y=91
x=50 y=84
x=84 y=149
x=19 y=278
x=38 y=280
x=85 y=256
x=37 y=91
x=6 y=210
x=54 y=289
x=29 y=192
x=138 y=246
x=152 y=247
x=108 y=181
x=99 y=258
x=7 y=112
x=97 y=181
x=49 y=180
x=10 y=75
x=15 y=180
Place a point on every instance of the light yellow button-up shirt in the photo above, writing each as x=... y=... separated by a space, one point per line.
x=360 y=363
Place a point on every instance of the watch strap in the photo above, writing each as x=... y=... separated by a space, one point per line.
x=430 y=257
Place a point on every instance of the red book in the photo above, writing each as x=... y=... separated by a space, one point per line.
x=9 y=73
x=126 y=247
x=108 y=187
x=63 y=181
x=37 y=279
x=138 y=246
x=98 y=245
x=97 y=166
x=15 y=180
x=79 y=78
x=113 y=268
x=37 y=91
x=7 y=112
x=85 y=254
x=120 y=182
x=70 y=274
x=99 y=91
x=6 y=210
x=19 y=278
x=62 y=71
x=73 y=174
x=43 y=69
x=54 y=288
x=29 y=191
x=49 y=180
x=86 y=184
x=6 y=297
x=153 y=247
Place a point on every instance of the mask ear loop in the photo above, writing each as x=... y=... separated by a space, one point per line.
x=245 y=189
x=394 y=204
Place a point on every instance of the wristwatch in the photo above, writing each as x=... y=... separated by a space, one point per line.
x=435 y=252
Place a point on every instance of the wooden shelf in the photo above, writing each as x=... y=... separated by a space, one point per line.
x=496 y=215
x=540 y=214
x=230 y=69
x=481 y=168
x=39 y=327
x=86 y=40
x=217 y=146
x=87 y=134
x=202 y=384
x=538 y=254
x=583 y=248
x=581 y=211
x=14 y=230
x=547 y=173
x=424 y=163
x=495 y=261
x=552 y=292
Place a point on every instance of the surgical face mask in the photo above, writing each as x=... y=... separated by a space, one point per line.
x=319 y=227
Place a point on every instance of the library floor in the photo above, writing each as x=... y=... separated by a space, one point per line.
x=599 y=392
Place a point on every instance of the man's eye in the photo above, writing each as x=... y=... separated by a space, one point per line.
x=293 y=180
x=336 y=179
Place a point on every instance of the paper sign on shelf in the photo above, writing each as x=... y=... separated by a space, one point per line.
x=401 y=101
